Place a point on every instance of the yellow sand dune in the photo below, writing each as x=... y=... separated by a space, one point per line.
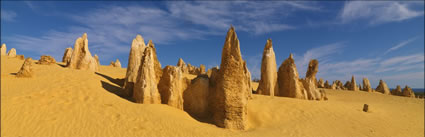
x=65 y=102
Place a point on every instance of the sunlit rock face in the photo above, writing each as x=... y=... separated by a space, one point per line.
x=134 y=60
x=383 y=88
x=366 y=85
x=408 y=92
x=231 y=87
x=288 y=80
x=268 y=81
x=145 y=89
x=81 y=57
x=171 y=87
x=3 y=49
x=12 y=52
x=26 y=70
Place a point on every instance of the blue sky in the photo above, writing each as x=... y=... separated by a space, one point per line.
x=377 y=40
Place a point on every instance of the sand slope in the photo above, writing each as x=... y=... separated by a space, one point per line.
x=65 y=102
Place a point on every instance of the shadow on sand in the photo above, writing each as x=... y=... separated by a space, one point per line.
x=117 y=90
x=63 y=66
x=119 y=82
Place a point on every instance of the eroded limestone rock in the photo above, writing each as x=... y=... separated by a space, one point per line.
x=397 y=91
x=116 y=64
x=3 y=49
x=268 y=82
x=353 y=85
x=229 y=99
x=12 y=52
x=46 y=60
x=366 y=85
x=26 y=70
x=408 y=92
x=97 y=60
x=67 y=55
x=326 y=85
x=310 y=82
x=321 y=83
x=145 y=89
x=171 y=87
x=81 y=57
x=158 y=69
x=182 y=65
x=134 y=60
x=196 y=97
x=288 y=80
x=202 y=69
x=383 y=88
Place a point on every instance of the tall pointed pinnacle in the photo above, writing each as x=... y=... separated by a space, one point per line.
x=268 y=82
x=134 y=60
x=150 y=44
x=84 y=35
x=231 y=90
x=158 y=68
x=139 y=40
x=383 y=88
x=288 y=80
x=269 y=44
x=3 y=49
x=81 y=57
x=145 y=88
x=231 y=49
x=353 y=85
x=180 y=62
x=313 y=68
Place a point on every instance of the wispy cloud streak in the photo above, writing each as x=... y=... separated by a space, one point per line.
x=111 y=29
x=378 y=12
x=402 y=44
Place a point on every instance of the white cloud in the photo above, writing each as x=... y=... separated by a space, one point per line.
x=378 y=12
x=7 y=15
x=375 y=65
x=255 y=17
x=397 y=70
x=49 y=44
x=348 y=67
x=403 y=60
x=402 y=44
x=110 y=29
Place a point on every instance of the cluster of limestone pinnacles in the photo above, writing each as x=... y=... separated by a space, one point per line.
x=11 y=53
x=25 y=70
x=81 y=57
x=219 y=95
x=382 y=87
x=285 y=81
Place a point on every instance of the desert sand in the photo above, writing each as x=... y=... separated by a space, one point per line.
x=59 y=101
